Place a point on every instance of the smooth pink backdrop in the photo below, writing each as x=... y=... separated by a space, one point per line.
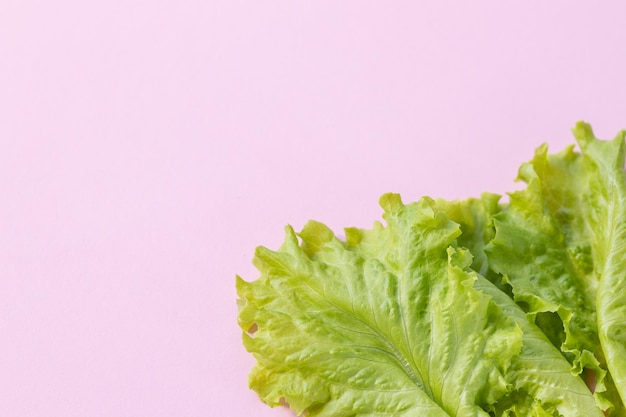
x=147 y=147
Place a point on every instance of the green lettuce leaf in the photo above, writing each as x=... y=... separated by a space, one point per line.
x=393 y=322
x=606 y=216
x=475 y=217
x=560 y=245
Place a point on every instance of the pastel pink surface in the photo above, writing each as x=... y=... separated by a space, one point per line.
x=146 y=148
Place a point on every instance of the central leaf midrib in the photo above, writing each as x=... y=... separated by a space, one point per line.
x=400 y=359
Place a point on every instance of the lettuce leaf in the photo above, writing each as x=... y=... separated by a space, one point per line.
x=393 y=321
x=560 y=245
x=606 y=217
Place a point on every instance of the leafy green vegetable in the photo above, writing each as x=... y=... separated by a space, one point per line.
x=463 y=308
x=606 y=217
x=393 y=322
x=552 y=243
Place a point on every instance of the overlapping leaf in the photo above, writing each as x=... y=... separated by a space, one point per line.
x=394 y=322
x=561 y=244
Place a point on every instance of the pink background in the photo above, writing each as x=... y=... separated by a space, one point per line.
x=147 y=147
